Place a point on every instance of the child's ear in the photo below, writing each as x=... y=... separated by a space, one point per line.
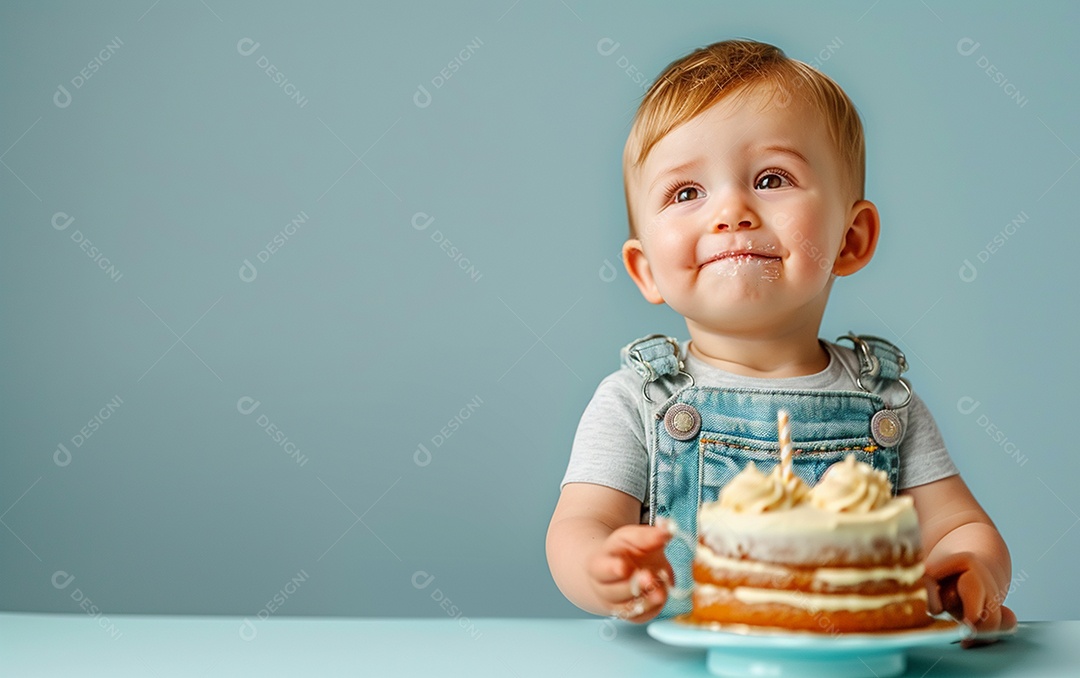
x=637 y=266
x=860 y=238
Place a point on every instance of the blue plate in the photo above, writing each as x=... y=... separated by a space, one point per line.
x=740 y=651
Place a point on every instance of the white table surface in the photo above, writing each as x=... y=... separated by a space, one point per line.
x=135 y=645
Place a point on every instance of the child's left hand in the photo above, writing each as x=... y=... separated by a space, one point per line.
x=966 y=589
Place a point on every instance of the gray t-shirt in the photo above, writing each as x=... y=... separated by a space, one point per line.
x=611 y=444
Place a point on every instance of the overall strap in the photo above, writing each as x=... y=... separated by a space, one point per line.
x=880 y=365
x=654 y=357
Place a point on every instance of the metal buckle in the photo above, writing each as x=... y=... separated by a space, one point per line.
x=870 y=366
x=645 y=384
x=645 y=369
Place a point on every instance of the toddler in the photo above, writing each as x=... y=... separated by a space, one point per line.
x=744 y=173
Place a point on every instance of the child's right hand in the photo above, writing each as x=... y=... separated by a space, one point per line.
x=630 y=573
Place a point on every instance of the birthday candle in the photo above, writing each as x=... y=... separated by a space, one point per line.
x=785 y=443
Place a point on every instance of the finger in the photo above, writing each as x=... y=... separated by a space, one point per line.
x=629 y=547
x=989 y=620
x=642 y=608
x=640 y=584
x=950 y=599
x=627 y=600
x=636 y=541
x=657 y=595
x=648 y=611
x=1008 y=619
x=972 y=596
x=652 y=585
x=1006 y=622
x=668 y=525
x=993 y=614
x=609 y=569
x=950 y=565
x=990 y=624
x=635 y=610
x=666 y=574
x=996 y=617
x=933 y=595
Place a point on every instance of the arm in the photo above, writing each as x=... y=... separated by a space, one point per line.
x=602 y=560
x=965 y=555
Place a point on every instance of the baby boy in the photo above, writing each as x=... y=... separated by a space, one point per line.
x=744 y=173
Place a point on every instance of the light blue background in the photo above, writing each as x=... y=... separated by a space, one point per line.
x=361 y=338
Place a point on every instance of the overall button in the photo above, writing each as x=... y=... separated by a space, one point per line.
x=682 y=421
x=886 y=428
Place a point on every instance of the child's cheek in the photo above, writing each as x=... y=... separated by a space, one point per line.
x=816 y=250
x=665 y=251
x=779 y=218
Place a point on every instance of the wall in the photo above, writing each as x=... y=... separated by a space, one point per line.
x=301 y=304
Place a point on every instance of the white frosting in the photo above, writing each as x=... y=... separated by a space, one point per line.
x=854 y=576
x=807 y=535
x=762 y=524
x=831 y=576
x=715 y=562
x=850 y=515
x=751 y=491
x=851 y=486
x=812 y=602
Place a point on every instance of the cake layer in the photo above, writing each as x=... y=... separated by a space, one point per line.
x=825 y=613
x=807 y=535
x=709 y=568
x=867 y=581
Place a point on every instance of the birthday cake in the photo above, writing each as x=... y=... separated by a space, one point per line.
x=841 y=557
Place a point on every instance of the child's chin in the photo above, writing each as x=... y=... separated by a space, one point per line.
x=736 y=318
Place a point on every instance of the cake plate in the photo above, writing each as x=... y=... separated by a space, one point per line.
x=740 y=651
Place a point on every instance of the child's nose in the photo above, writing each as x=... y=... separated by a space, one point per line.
x=735 y=214
x=745 y=223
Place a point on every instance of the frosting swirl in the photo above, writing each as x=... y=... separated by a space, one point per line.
x=851 y=487
x=751 y=491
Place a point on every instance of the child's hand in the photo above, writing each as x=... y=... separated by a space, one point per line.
x=966 y=590
x=630 y=573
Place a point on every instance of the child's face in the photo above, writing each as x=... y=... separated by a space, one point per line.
x=744 y=234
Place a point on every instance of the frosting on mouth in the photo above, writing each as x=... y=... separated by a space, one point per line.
x=734 y=264
x=741 y=255
x=747 y=249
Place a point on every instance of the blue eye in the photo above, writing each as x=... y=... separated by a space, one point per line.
x=772 y=179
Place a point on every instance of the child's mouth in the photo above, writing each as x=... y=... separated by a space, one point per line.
x=737 y=263
x=741 y=256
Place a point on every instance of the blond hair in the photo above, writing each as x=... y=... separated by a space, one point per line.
x=690 y=85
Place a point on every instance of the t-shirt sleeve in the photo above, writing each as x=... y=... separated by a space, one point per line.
x=610 y=447
x=923 y=456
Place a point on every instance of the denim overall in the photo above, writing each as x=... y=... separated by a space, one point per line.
x=702 y=436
